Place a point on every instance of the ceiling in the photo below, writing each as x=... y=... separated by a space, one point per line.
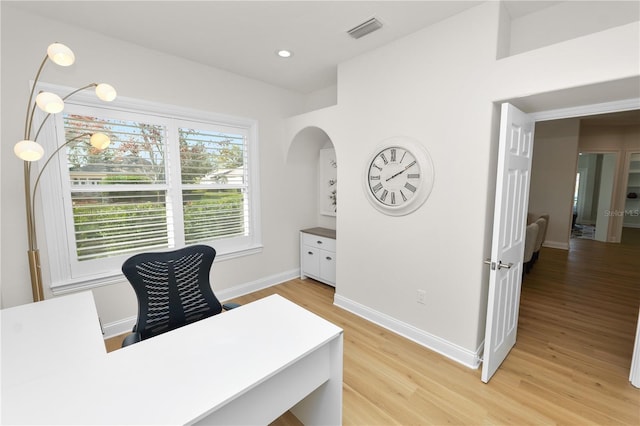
x=243 y=36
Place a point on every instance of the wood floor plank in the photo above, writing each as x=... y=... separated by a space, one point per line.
x=570 y=364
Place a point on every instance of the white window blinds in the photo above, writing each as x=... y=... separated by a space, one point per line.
x=215 y=187
x=118 y=195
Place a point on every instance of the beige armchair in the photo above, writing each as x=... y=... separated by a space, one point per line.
x=531 y=237
x=542 y=230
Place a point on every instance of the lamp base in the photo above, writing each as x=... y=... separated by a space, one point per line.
x=36 y=276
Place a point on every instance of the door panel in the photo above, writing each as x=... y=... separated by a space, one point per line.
x=512 y=197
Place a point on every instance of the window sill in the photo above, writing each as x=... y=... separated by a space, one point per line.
x=116 y=277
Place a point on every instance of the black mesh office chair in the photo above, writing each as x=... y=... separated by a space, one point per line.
x=173 y=290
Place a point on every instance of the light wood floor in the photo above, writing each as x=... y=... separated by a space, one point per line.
x=570 y=364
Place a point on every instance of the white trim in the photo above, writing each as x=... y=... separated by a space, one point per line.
x=253 y=286
x=634 y=375
x=452 y=351
x=116 y=277
x=119 y=327
x=556 y=245
x=585 y=110
x=125 y=325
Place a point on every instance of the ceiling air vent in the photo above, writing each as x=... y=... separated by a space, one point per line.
x=365 y=28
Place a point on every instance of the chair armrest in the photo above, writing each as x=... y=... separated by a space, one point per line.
x=230 y=305
x=131 y=339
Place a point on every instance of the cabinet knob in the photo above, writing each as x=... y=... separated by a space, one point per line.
x=319 y=242
x=309 y=252
x=328 y=258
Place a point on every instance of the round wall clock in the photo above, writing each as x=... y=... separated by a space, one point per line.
x=399 y=176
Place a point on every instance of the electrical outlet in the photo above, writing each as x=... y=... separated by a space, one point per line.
x=421 y=297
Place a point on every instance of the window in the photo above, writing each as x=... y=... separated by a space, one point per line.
x=169 y=178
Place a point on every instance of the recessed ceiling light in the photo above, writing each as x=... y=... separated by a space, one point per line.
x=283 y=53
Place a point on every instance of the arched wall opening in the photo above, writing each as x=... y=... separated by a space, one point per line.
x=312 y=159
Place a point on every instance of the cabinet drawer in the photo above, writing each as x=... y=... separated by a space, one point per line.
x=310 y=261
x=319 y=242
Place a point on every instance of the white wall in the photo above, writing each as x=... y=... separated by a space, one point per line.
x=439 y=86
x=151 y=76
x=553 y=173
x=567 y=20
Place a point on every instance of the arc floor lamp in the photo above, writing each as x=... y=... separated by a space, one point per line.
x=29 y=150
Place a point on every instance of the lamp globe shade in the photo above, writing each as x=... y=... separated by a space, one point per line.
x=49 y=102
x=28 y=150
x=106 y=92
x=60 y=54
x=100 y=141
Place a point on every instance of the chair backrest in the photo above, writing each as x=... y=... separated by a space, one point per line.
x=530 y=239
x=542 y=231
x=172 y=288
x=545 y=216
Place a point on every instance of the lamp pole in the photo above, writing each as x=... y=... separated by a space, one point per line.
x=30 y=150
x=99 y=141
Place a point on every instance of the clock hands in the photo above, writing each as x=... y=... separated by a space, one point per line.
x=401 y=171
x=392 y=176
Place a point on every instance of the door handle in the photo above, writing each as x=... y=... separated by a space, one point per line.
x=504 y=265
x=499 y=265
x=490 y=263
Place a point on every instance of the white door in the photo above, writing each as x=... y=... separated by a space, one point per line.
x=509 y=222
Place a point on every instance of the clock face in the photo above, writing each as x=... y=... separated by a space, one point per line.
x=399 y=176
x=394 y=176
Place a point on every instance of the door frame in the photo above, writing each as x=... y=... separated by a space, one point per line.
x=583 y=111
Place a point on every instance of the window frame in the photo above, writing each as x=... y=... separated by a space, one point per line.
x=54 y=191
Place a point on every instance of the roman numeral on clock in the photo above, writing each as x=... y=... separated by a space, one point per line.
x=393 y=155
x=410 y=187
x=384 y=195
x=393 y=198
x=377 y=188
x=374 y=177
x=413 y=175
x=384 y=159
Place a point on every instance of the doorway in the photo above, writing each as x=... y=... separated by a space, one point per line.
x=600 y=180
x=631 y=218
x=573 y=113
x=593 y=197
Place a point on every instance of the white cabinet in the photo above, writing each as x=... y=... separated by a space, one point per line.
x=318 y=255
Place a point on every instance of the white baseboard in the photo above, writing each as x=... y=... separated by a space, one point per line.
x=464 y=356
x=266 y=282
x=556 y=245
x=117 y=328
x=125 y=325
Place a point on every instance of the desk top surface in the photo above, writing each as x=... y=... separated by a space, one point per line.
x=32 y=344
x=177 y=377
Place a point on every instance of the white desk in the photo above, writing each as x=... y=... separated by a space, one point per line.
x=39 y=338
x=245 y=366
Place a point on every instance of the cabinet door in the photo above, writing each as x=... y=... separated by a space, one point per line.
x=310 y=261
x=328 y=266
